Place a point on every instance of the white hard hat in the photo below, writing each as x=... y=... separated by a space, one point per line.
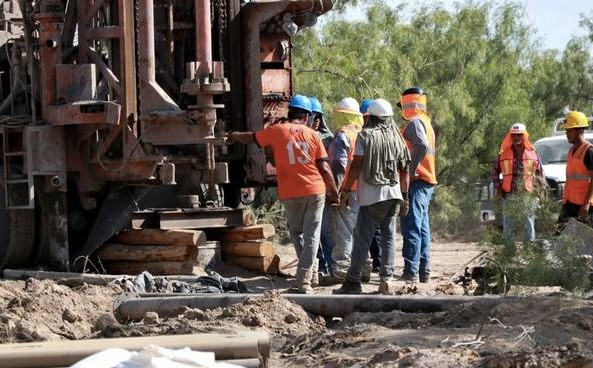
x=348 y=104
x=381 y=108
x=518 y=128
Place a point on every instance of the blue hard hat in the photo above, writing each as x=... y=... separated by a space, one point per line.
x=364 y=106
x=300 y=102
x=316 y=105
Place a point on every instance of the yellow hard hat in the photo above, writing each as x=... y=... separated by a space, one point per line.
x=576 y=119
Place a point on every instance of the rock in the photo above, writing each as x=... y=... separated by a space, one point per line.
x=196 y=314
x=70 y=316
x=104 y=321
x=151 y=318
x=290 y=318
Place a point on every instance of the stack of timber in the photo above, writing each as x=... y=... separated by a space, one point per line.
x=160 y=252
x=249 y=247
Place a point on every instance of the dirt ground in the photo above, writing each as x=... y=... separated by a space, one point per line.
x=544 y=328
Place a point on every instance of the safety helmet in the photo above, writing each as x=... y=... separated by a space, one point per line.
x=316 y=105
x=518 y=128
x=380 y=108
x=300 y=102
x=576 y=119
x=364 y=106
x=348 y=104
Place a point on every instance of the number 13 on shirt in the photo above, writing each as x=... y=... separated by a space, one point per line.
x=298 y=152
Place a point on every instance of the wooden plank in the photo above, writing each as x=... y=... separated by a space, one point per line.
x=161 y=237
x=155 y=268
x=145 y=253
x=255 y=232
x=248 y=248
x=267 y=264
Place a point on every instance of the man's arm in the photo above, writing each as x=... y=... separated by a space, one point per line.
x=353 y=173
x=416 y=134
x=242 y=137
x=588 y=161
x=328 y=179
x=495 y=173
x=339 y=157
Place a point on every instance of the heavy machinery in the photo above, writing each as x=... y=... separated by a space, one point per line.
x=110 y=107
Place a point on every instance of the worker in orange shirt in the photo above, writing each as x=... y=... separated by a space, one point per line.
x=578 y=191
x=303 y=175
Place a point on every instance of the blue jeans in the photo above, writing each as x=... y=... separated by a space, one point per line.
x=508 y=226
x=326 y=243
x=416 y=230
x=383 y=214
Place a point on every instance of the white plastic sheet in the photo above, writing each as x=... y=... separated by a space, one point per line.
x=152 y=357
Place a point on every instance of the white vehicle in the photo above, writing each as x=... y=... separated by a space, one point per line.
x=552 y=152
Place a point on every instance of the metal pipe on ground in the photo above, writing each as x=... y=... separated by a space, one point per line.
x=246 y=346
x=133 y=307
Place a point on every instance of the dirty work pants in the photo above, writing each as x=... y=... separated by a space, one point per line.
x=343 y=221
x=383 y=214
x=326 y=242
x=416 y=231
x=509 y=217
x=303 y=216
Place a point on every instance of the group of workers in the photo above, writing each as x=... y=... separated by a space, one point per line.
x=518 y=169
x=353 y=184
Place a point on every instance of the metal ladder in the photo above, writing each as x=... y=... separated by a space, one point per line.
x=19 y=190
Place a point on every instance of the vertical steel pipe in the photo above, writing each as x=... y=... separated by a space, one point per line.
x=203 y=37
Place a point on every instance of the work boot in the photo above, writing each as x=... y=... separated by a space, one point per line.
x=349 y=287
x=303 y=281
x=425 y=279
x=409 y=278
x=385 y=288
x=366 y=271
x=331 y=280
x=315 y=274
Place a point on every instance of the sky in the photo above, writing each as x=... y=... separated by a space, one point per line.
x=556 y=21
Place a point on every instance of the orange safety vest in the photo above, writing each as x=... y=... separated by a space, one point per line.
x=530 y=165
x=426 y=168
x=351 y=132
x=577 y=176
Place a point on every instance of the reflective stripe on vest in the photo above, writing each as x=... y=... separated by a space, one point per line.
x=351 y=132
x=577 y=176
x=426 y=168
x=530 y=165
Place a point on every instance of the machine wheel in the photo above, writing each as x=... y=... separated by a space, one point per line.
x=17 y=233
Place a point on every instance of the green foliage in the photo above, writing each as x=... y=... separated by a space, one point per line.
x=480 y=63
x=450 y=209
x=513 y=261
x=267 y=209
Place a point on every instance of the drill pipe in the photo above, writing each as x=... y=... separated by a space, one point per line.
x=246 y=346
x=133 y=307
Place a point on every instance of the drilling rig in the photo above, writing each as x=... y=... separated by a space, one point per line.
x=115 y=111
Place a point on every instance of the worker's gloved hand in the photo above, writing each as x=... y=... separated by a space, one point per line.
x=404 y=207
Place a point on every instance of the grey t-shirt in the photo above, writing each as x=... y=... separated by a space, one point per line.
x=416 y=134
x=369 y=194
